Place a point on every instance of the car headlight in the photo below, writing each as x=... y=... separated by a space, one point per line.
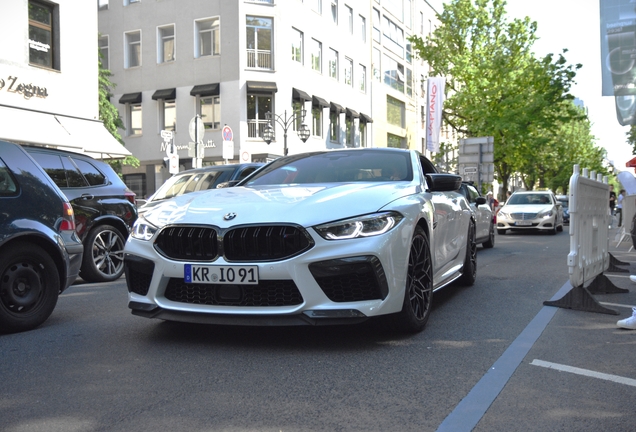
x=363 y=226
x=545 y=214
x=143 y=230
x=503 y=215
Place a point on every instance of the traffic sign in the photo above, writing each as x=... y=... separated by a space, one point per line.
x=246 y=157
x=166 y=135
x=174 y=163
x=196 y=129
x=228 y=149
x=228 y=135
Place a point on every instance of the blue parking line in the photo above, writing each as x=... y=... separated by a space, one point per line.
x=472 y=408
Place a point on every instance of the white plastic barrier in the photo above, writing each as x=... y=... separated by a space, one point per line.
x=589 y=227
x=629 y=209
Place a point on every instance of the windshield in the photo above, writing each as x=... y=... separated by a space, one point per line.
x=520 y=199
x=336 y=166
x=186 y=183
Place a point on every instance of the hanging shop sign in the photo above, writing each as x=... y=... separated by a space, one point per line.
x=13 y=85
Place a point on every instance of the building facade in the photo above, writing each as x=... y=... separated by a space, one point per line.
x=49 y=77
x=346 y=64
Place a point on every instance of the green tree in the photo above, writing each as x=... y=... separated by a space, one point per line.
x=631 y=138
x=496 y=87
x=109 y=115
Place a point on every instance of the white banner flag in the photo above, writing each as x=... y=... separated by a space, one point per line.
x=435 y=101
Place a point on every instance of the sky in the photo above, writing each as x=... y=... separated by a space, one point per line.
x=575 y=25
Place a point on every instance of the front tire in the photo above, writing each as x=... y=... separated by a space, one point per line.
x=469 y=272
x=501 y=231
x=103 y=255
x=491 y=238
x=418 y=294
x=29 y=288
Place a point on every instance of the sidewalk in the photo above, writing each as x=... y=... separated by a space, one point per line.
x=580 y=374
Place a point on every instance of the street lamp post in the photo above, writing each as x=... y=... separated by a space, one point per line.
x=285 y=122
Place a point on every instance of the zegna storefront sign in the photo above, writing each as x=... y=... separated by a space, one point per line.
x=13 y=85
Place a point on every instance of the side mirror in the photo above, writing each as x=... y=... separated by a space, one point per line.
x=440 y=182
x=480 y=200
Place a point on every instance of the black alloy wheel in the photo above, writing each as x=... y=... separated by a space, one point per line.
x=418 y=294
x=29 y=288
x=491 y=237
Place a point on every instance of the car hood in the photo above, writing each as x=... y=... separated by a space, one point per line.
x=526 y=208
x=306 y=205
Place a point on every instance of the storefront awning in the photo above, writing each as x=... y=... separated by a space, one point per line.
x=631 y=163
x=206 y=90
x=131 y=98
x=365 y=118
x=319 y=102
x=337 y=108
x=74 y=134
x=353 y=114
x=262 y=86
x=299 y=94
x=165 y=94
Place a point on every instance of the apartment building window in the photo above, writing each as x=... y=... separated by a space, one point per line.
x=333 y=63
x=409 y=82
x=395 y=112
x=43 y=35
x=350 y=18
x=362 y=78
x=260 y=100
x=207 y=37
x=210 y=111
x=317 y=105
x=132 y=49
x=395 y=141
x=132 y=102
x=334 y=122
x=208 y=103
x=297 y=46
x=167 y=105
x=376 y=25
x=409 y=55
x=407 y=14
x=102 y=42
x=316 y=5
x=363 y=29
x=376 y=65
x=393 y=36
x=165 y=44
x=316 y=55
x=334 y=11
x=102 y=5
x=259 y=42
x=393 y=73
x=421 y=23
x=395 y=7
x=347 y=71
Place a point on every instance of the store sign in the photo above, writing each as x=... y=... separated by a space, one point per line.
x=12 y=85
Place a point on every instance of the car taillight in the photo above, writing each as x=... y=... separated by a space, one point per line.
x=130 y=196
x=68 y=221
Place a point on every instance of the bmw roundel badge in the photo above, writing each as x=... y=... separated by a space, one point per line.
x=229 y=216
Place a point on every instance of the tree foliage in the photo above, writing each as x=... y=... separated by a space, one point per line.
x=497 y=87
x=109 y=115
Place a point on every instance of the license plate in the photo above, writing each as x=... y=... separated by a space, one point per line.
x=237 y=275
x=523 y=223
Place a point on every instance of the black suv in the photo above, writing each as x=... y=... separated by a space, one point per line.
x=40 y=253
x=104 y=208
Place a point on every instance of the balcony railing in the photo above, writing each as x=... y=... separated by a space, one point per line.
x=259 y=59
x=255 y=128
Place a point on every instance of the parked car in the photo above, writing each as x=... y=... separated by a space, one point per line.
x=531 y=210
x=104 y=208
x=40 y=252
x=209 y=177
x=565 y=203
x=485 y=217
x=329 y=237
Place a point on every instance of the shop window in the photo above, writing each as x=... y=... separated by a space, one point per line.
x=210 y=111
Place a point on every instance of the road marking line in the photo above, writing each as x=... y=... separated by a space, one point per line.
x=472 y=408
x=585 y=372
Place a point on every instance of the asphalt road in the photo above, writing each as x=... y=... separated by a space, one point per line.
x=95 y=367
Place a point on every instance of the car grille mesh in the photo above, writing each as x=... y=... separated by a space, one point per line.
x=257 y=243
x=188 y=243
x=266 y=293
x=523 y=216
x=250 y=243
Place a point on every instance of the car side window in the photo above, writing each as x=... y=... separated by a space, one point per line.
x=427 y=166
x=246 y=172
x=52 y=164
x=7 y=184
x=90 y=173
x=472 y=194
x=73 y=176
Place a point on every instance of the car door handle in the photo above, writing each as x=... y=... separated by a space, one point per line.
x=87 y=197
